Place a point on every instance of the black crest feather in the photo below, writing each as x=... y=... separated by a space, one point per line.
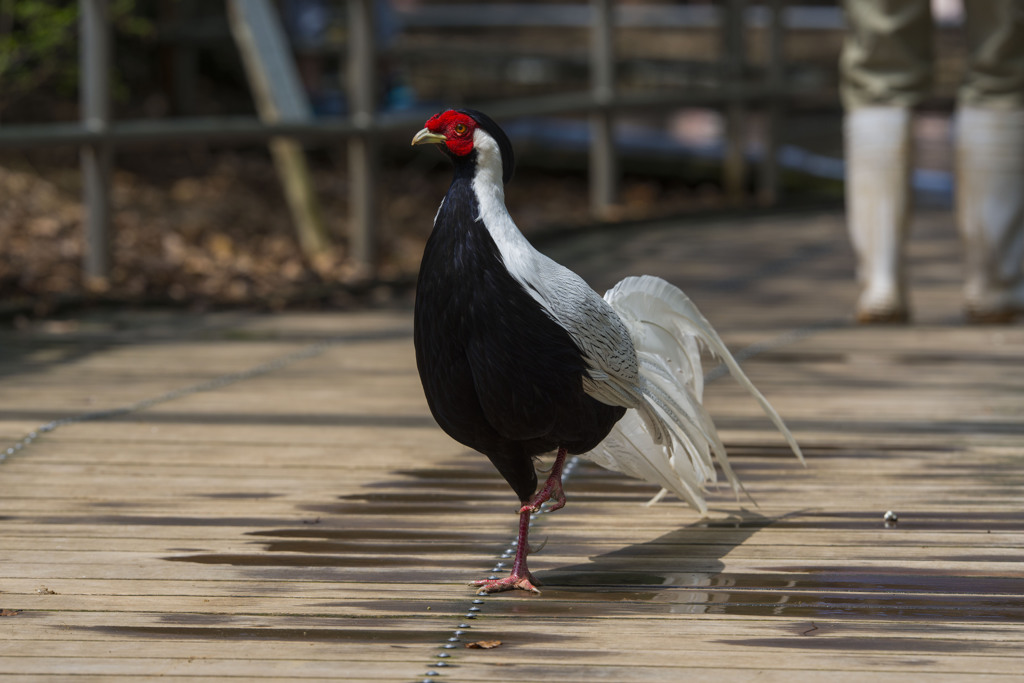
x=508 y=158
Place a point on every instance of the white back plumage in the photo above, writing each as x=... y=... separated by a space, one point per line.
x=642 y=343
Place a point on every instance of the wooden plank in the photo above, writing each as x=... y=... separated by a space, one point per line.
x=310 y=523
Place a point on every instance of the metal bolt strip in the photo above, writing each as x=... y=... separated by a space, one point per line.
x=208 y=385
x=476 y=607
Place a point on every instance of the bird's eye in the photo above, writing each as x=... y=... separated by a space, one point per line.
x=461 y=128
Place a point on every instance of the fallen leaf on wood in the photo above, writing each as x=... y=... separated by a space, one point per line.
x=9 y=612
x=484 y=644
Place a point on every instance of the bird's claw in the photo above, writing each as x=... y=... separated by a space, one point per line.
x=509 y=583
x=536 y=507
x=550 y=492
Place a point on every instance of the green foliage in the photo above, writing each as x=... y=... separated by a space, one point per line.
x=36 y=43
x=39 y=44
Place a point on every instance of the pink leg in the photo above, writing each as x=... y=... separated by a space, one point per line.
x=521 y=578
x=552 y=488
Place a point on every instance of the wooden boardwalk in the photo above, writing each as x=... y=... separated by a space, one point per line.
x=266 y=497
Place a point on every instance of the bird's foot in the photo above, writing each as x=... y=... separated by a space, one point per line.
x=524 y=582
x=520 y=578
x=552 y=490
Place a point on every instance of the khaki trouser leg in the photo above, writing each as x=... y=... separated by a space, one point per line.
x=995 y=61
x=886 y=68
x=887 y=56
x=990 y=160
x=990 y=210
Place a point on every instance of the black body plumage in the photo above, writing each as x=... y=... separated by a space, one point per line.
x=499 y=374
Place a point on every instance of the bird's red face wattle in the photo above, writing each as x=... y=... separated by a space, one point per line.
x=457 y=128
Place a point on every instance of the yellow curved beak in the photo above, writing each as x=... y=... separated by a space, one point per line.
x=426 y=137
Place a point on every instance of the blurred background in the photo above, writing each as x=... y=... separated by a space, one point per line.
x=256 y=153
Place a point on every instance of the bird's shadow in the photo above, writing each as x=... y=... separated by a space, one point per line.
x=683 y=567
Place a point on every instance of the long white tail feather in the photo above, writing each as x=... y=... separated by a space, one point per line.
x=664 y=302
x=670 y=439
x=699 y=437
x=721 y=351
x=660 y=378
x=693 y=428
x=626 y=451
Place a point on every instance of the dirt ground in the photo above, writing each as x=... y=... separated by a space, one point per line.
x=209 y=229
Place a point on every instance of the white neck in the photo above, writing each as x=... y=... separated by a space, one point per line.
x=515 y=250
x=563 y=295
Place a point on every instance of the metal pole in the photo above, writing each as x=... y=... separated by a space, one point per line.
x=603 y=163
x=362 y=158
x=96 y=159
x=277 y=89
x=768 y=187
x=734 y=26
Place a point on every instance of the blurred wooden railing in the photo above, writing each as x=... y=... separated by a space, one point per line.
x=97 y=135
